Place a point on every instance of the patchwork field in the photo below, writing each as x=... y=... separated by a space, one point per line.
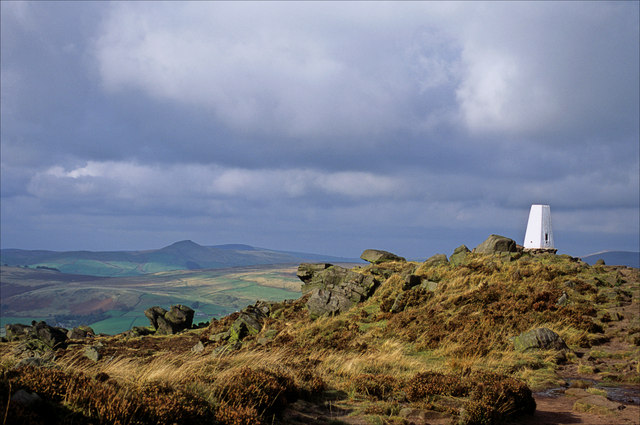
x=113 y=305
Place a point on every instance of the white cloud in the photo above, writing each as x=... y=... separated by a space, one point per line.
x=122 y=181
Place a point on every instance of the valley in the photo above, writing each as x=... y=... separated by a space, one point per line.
x=114 y=304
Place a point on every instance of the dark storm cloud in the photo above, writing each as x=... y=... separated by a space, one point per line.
x=312 y=125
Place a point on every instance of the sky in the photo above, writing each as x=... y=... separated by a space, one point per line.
x=325 y=127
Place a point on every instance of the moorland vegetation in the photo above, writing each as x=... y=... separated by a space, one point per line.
x=448 y=340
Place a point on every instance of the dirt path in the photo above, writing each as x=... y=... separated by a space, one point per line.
x=559 y=410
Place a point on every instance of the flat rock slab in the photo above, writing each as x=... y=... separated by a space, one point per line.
x=376 y=256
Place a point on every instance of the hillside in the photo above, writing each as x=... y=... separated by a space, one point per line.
x=392 y=342
x=115 y=304
x=183 y=255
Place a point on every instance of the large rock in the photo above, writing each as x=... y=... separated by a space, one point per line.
x=50 y=336
x=17 y=332
x=153 y=313
x=81 y=332
x=539 y=339
x=436 y=260
x=337 y=289
x=307 y=270
x=459 y=255
x=496 y=244
x=249 y=322
x=376 y=256
x=179 y=318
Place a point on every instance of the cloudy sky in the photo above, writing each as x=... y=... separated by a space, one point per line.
x=319 y=127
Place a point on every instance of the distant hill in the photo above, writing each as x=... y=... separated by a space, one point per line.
x=615 y=258
x=183 y=255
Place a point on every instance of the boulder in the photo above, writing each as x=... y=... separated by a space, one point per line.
x=198 y=348
x=307 y=270
x=179 y=318
x=17 y=332
x=80 y=332
x=153 y=313
x=496 y=244
x=337 y=289
x=248 y=323
x=93 y=353
x=436 y=260
x=563 y=300
x=539 y=339
x=222 y=336
x=51 y=337
x=459 y=255
x=327 y=302
x=376 y=256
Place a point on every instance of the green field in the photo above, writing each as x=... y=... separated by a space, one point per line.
x=113 y=305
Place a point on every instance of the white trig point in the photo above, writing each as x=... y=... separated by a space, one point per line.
x=539 y=234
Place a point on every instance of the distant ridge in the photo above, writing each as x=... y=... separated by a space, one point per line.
x=615 y=258
x=182 y=255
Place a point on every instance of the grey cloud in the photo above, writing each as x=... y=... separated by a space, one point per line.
x=423 y=118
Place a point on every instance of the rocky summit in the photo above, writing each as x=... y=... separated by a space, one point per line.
x=492 y=335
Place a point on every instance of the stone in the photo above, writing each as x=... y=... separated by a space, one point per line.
x=337 y=289
x=429 y=285
x=80 y=332
x=436 y=260
x=398 y=303
x=495 y=244
x=384 y=273
x=540 y=338
x=600 y=262
x=222 y=336
x=17 y=332
x=153 y=313
x=51 y=337
x=93 y=353
x=459 y=256
x=563 y=300
x=179 y=318
x=307 y=270
x=198 y=348
x=376 y=256
x=250 y=321
x=597 y=404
